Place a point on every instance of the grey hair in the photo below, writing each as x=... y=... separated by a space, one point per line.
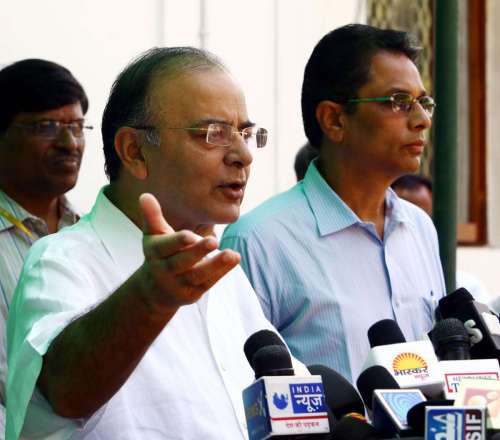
x=129 y=100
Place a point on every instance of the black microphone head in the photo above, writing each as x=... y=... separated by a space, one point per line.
x=451 y=340
x=416 y=414
x=272 y=360
x=437 y=314
x=375 y=378
x=385 y=332
x=341 y=397
x=449 y=304
x=353 y=428
x=258 y=340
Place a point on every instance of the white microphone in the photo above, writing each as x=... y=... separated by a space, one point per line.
x=412 y=364
x=280 y=405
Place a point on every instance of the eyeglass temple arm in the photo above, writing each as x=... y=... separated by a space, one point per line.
x=381 y=99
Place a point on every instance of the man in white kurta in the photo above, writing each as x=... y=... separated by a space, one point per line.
x=130 y=324
x=189 y=382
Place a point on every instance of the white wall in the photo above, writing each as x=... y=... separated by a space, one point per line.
x=94 y=39
x=264 y=42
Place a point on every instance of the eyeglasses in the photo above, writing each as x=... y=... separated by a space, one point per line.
x=222 y=135
x=402 y=102
x=51 y=129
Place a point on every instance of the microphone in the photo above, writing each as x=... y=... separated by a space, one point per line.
x=353 y=428
x=346 y=406
x=455 y=422
x=416 y=414
x=385 y=332
x=374 y=378
x=272 y=360
x=280 y=405
x=451 y=342
x=341 y=397
x=260 y=339
x=389 y=403
x=412 y=364
x=461 y=305
x=485 y=393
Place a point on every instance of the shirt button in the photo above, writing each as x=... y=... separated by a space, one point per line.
x=396 y=303
x=223 y=367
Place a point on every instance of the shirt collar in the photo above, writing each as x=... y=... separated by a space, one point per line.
x=13 y=208
x=69 y=215
x=333 y=215
x=120 y=236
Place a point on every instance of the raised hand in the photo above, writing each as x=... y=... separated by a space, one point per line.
x=177 y=270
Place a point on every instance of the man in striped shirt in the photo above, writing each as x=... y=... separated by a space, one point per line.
x=340 y=251
x=41 y=146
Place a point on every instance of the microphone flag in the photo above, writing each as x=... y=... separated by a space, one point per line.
x=285 y=405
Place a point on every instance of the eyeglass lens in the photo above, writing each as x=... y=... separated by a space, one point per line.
x=51 y=129
x=404 y=102
x=223 y=135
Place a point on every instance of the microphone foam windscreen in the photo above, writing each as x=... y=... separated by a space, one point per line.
x=272 y=360
x=385 y=332
x=450 y=303
x=449 y=330
x=341 y=397
x=375 y=378
x=353 y=428
x=258 y=340
x=416 y=414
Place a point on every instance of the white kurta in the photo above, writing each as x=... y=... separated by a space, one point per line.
x=188 y=384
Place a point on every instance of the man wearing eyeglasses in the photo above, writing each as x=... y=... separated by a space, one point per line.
x=131 y=323
x=41 y=146
x=340 y=251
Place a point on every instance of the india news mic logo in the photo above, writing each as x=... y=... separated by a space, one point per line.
x=306 y=398
x=410 y=364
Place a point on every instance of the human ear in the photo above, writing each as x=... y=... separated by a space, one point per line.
x=330 y=117
x=128 y=148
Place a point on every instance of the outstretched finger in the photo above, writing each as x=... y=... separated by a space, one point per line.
x=178 y=249
x=207 y=272
x=153 y=221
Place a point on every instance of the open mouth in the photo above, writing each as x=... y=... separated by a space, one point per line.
x=233 y=190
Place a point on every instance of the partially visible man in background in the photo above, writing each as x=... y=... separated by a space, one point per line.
x=415 y=188
x=41 y=145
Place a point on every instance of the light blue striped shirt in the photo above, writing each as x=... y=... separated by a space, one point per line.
x=324 y=277
x=14 y=245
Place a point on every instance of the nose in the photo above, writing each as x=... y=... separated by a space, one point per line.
x=419 y=119
x=238 y=153
x=67 y=140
